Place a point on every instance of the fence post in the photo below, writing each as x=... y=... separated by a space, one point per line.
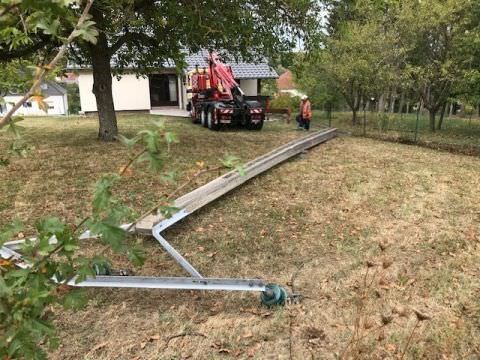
x=416 y=124
x=364 y=121
x=329 y=114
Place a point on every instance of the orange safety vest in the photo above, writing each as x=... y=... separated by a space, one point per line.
x=306 y=109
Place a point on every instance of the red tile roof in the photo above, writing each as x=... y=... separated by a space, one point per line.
x=285 y=81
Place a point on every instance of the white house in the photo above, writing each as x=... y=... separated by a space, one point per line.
x=165 y=89
x=55 y=97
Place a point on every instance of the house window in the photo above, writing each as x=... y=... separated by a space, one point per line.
x=50 y=106
x=27 y=104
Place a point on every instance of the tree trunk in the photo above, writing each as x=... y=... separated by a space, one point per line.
x=393 y=97
x=432 y=120
x=402 y=103
x=408 y=107
x=354 y=116
x=450 y=112
x=102 y=83
x=381 y=103
x=442 y=115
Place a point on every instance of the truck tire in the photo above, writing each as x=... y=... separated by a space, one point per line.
x=212 y=125
x=203 y=117
x=193 y=113
x=255 y=126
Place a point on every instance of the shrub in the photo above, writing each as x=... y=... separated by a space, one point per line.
x=284 y=101
x=73 y=98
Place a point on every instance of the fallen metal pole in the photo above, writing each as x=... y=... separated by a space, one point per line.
x=205 y=194
x=183 y=283
x=155 y=224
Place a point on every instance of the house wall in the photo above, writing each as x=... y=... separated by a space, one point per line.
x=129 y=93
x=56 y=106
x=249 y=86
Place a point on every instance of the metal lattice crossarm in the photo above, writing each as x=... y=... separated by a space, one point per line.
x=188 y=203
x=207 y=193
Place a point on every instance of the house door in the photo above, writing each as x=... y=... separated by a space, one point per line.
x=163 y=90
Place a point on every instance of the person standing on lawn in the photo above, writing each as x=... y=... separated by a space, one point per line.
x=305 y=113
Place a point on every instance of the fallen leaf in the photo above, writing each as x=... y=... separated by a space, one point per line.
x=421 y=316
x=99 y=346
x=154 y=337
x=125 y=170
x=216 y=345
x=410 y=282
x=237 y=353
x=5 y=263
x=391 y=348
x=143 y=344
x=400 y=310
x=251 y=351
x=224 y=351
x=247 y=334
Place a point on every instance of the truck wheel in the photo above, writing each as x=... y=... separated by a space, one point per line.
x=193 y=113
x=203 y=117
x=211 y=120
x=255 y=126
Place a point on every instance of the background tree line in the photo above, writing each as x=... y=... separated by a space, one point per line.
x=395 y=55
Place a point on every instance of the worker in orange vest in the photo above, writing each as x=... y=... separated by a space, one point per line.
x=305 y=113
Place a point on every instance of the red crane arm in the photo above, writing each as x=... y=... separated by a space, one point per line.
x=221 y=74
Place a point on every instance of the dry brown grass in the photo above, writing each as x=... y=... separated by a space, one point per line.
x=317 y=218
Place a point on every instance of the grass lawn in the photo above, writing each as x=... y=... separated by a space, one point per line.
x=461 y=135
x=311 y=224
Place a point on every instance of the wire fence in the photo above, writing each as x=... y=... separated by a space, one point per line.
x=456 y=132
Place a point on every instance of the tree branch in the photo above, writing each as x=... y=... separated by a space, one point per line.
x=8 y=8
x=7 y=118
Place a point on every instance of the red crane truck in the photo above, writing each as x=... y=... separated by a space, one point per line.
x=217 y=99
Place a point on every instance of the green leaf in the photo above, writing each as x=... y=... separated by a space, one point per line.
x=50 y=225
x=151 y=141
x=233 y=162
x=87 y=32
x=102 y=197
x=48 y=28
x=171 y=138
x=129 y=143
x=111 y=234
x=241 y=169
x=13 y=128
x=155 y=161
x=168 y=211
x=136 y=256
x=10 y=230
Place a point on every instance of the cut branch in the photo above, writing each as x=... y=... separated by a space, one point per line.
x=46 y=69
